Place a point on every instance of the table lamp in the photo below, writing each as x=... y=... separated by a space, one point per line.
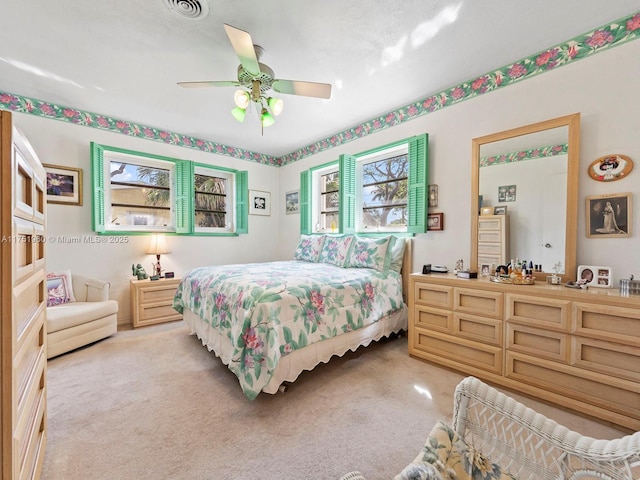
x=157 y=247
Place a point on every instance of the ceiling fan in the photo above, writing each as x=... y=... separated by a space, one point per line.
x=256 y=79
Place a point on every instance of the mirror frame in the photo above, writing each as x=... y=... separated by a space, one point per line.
x=573 y=161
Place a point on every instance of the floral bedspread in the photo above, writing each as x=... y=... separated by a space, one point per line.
x=268 y=310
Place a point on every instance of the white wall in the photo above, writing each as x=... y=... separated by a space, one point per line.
x=602 y=88
x=60 y=143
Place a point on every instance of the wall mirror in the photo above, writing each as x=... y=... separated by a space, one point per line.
x=530 y=174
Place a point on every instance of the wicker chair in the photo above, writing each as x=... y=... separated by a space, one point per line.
x=530 y=446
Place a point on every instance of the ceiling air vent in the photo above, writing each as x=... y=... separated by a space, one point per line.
x=191 y=9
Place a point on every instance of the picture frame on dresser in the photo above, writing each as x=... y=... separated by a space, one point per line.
x=500 y=210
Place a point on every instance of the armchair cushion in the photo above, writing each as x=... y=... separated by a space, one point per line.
x=69 y=315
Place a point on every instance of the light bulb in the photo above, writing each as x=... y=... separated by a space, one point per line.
x=241 y=98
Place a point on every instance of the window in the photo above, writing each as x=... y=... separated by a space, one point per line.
x=138 y=192
x=382 y=196
x=212 y=191
x=381 y=190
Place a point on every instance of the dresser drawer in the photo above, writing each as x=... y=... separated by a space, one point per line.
x=610 y=358
x=607 y=323
x=539 y=312
x=446 y=349
x=480 y=329
x=490 y=236
x=479 y=302
x=433 y=319
x=608 y=394
x=433 y=295
x=537 y=342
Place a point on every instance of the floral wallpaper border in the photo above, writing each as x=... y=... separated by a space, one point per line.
x=531 y=154
x=583 y=46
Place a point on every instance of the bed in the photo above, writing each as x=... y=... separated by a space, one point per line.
x=269 y=322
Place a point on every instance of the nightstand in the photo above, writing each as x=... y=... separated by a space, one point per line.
x=151 y=301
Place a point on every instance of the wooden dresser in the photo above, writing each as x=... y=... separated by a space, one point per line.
x=152 y=301
x=579 y=349
x=493 y=240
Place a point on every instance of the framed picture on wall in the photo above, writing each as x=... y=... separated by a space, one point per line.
x=435 y=221
x=609 y=215
x=259 y=202
x=292 y=202
x=64 y=184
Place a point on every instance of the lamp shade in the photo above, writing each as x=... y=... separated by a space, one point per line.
x=158 y=245
x=276 y=105
x=241 y=98
x=266 y=118
x=239 y=114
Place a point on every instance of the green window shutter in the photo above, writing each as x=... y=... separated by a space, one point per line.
x=305 y=204
x=242 y=202
x=184 y=196
x=418 y=178
x=97 y=188
x=347 y=208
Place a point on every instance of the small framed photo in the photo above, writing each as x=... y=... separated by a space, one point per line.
x=433 y=195
x=609 y=215
x=292 y=202
x=486 y=211
x=259 y=202
x=595 y=276
x=507 y=193
x=435 y=221
x=500 y=210
x=485 y=269
x=64 y=184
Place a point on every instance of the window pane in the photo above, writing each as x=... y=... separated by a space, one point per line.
x=329 y=202
x=140 y=195
x=210 y=201
x=384 y=193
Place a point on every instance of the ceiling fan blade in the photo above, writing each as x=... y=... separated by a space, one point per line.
x=243 y=46
x=307 y=89
x=213 y=83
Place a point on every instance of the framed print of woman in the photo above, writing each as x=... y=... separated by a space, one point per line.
x=609 y=215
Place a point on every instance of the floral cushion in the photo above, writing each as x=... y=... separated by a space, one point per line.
x=445 y=456
x=336 y=249
x=308 y=248
x=59 y=288
x=369 y=253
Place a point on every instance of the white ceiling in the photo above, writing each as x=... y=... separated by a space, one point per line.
x=122 y=58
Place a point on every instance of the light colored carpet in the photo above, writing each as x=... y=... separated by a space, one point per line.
x=153 y=403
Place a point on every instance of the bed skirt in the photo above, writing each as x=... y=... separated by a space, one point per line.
x=293 y=364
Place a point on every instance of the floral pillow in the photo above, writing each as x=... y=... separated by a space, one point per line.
x=445 y=455
x=369 y=253
x=336 y=250
x=308 y=248
x=59 y=288
x=395 y=255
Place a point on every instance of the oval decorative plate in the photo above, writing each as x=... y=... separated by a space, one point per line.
x=610 y=167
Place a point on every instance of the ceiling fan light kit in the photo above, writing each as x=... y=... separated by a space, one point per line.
x=256 y=79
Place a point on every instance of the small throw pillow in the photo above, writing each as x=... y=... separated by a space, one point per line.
x=59 y=288
x=336 y=250
x=369 y=253
x=309 y=248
